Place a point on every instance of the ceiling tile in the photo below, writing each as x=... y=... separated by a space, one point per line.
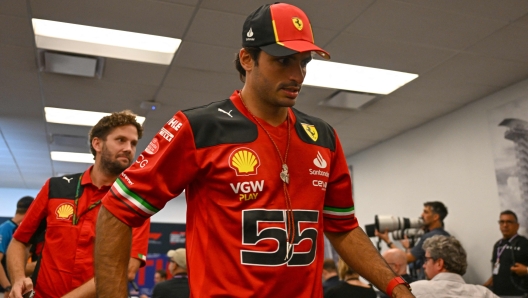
x=149 y=17
x=206 y=57
x=479 y=69
x=420 y=108
x=16 y=31
x=184 y=2
x=199 y=80
x=205 y=29
x=69 y=91
x=522 y=21
x=498 y=10
x=321 y=13
x=13 y=8
x=117 y=70
x=388 y=54
x=509 y=43
x=17 y=58
x=422 y=25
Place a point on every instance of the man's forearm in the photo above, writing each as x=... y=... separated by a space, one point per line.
x=16 y=260
x=4 y=282
x=112 y=253
x=356 y=249
x=87 y=290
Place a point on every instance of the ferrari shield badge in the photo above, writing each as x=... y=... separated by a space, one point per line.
x=310 y=131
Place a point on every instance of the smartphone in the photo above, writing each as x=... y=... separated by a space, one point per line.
x=29 y=294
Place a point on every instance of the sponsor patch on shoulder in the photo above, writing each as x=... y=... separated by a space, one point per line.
x=153 y=146
x=167 y=135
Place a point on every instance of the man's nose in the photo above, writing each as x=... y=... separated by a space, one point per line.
x=298 y=72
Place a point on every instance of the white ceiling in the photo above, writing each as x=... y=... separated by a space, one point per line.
x=461 y=49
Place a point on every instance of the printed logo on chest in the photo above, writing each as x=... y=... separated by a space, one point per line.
x=245 y=162
x=64 y=211
x=321 y=165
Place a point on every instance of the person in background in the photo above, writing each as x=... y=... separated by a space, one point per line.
x=7 y=229
x=433 y=216
x=350 y=285
x=330 y=277
x=444 y=264
x=65 y=212
x=248 y=162
x=178 y=285
x=509 y=259
x=397 y=260
x=159 y=276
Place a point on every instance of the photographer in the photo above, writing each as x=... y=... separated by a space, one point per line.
x=433 y=216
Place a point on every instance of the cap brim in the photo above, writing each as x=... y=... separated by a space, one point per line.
x=294 y=47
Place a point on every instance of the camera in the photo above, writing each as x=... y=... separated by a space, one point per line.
x=409 y=233
x=394 y=223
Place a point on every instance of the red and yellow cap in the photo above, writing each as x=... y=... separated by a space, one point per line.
x=280 y=29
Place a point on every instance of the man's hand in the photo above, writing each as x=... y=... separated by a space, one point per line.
x=21 y=287
x=383 y=236
x=519 y=269
x=133 y=267
x=405 y=242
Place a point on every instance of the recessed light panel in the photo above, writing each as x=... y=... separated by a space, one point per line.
x=72 y=157
x=355 y=78
x=96 y=41
x=77 y=117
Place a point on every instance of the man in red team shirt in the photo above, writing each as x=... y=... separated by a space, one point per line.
x=262 y=180
x=66 y=209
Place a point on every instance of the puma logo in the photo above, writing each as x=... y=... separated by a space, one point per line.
x=67 y=179
x=228 y=114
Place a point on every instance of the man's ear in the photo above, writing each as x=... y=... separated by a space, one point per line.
x=245 y=60
x=97 y=144
x=440 y=264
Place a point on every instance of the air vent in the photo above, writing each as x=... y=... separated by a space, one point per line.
x=69 y=140
x=348 y=100
x=70 y=64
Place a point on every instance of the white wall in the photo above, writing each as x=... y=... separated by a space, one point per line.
x=449 y=159
x=9 y=198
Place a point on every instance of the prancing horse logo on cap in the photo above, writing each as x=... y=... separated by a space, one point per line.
x=298 y=23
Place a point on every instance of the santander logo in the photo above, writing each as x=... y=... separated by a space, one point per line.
x=319 y=161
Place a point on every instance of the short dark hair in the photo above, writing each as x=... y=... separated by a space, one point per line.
x=105 y=126
x=254 y=53
x=162 y=273
x=438 y=208
x=329 y=265
x=509 y=212
x=23 y=204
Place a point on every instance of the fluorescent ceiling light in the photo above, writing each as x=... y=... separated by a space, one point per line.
x=72 y=157
x=77 y=117
x=355 y=78
x=104 y=42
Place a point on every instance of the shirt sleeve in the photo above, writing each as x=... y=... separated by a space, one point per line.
x=338 y=210
x=160 y=174
x=5 y=238
x=140 y=237
x=417 y=251
x=34 y=216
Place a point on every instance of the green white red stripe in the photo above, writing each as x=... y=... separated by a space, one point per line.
x=338 y=211
x=133 y=198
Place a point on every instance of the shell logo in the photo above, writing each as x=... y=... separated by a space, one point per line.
x=244 y=161
x=64 y=211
